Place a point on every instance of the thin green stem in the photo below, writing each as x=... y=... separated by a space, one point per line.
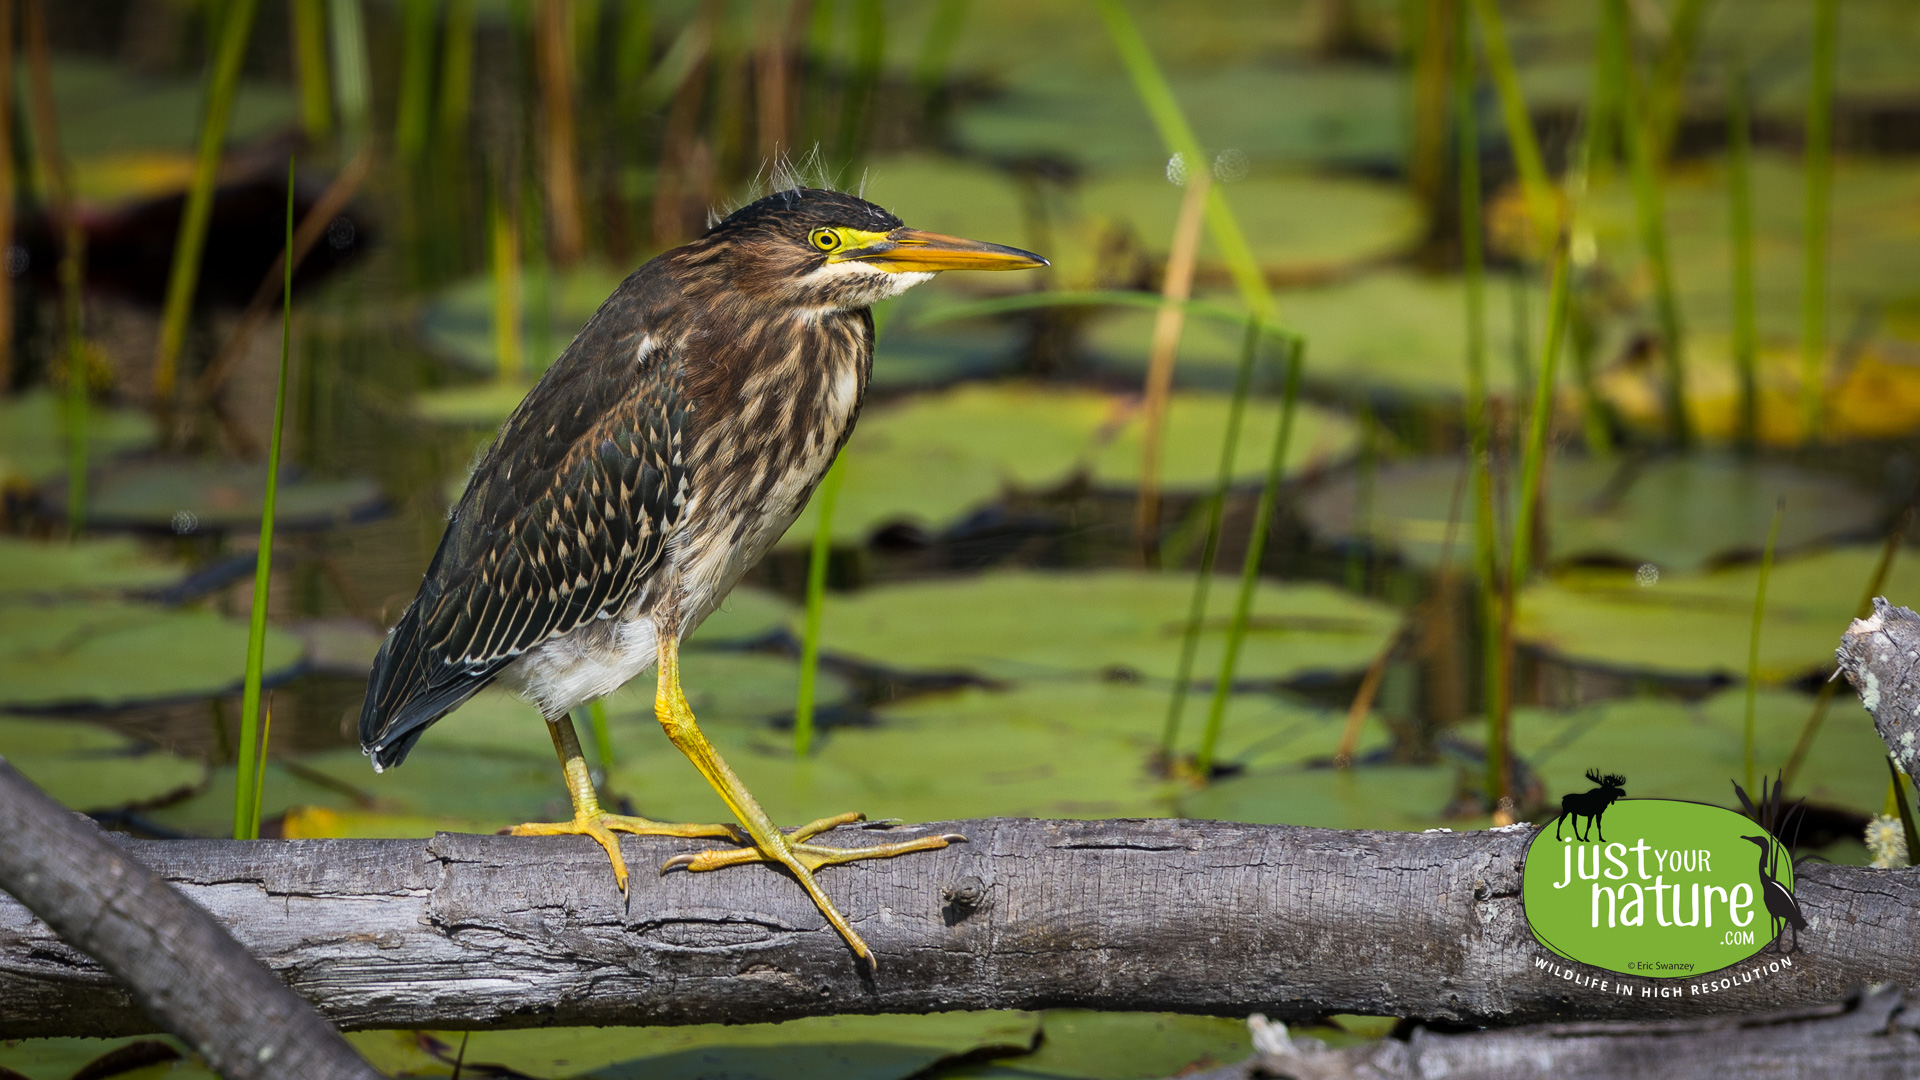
x=1210 y=548
x=352 y=83
x=1898 y=795
x=602 y=733
x=191 y=241
x=415 y=105
x=246 y=800
x=1753 y=643
x=1151 y=86
x=828 y=494
x=1535 y=185
x=1250 y=568
x=310 y=58
x=1746 y=334
x=72 y=279
x=1819 y=170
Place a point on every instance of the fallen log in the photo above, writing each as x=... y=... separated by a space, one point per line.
x=1170 y=915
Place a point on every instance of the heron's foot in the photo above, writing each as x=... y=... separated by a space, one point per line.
x=792 y=850
x=603 y=827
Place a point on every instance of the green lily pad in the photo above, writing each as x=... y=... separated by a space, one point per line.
x=88 y=767
x=1696 y=625
x=1085 y=1045
x=1053 y=748
x=33 y=436
x=111 y=565
x=62 y=1059
x=188 y=497
x=1010 y=624
x=458 y=323
x=1678 y=750
x=1394 y=330
x=483 y=405
x=1364 y=797
x=746 y=615
x=930 y=459
x=106 y=108
x=1676 y=513
x=824 y=1047
x=107 y=653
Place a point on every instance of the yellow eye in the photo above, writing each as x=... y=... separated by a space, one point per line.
x=824 y=239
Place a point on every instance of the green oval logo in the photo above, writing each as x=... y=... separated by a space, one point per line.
x=1657 y=888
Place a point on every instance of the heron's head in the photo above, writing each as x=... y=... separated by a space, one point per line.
x=820 y=249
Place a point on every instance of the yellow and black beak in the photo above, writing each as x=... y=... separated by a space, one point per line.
x=910 y=251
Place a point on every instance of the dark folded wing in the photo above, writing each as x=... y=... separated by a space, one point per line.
x=563 y=521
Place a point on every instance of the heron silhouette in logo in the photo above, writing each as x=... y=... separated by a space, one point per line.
x=1782 y=909
x=1591 y=805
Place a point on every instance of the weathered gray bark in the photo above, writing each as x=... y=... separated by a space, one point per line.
x=1880 y=655
x=472 y=931
x=1869 y=1037
x=175 y=963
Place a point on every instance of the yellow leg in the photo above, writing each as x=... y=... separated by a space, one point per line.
x=769 y=843
x=590 y=820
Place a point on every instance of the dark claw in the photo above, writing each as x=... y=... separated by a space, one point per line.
x=676 y=863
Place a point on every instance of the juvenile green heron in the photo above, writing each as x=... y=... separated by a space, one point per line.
x=671 y=444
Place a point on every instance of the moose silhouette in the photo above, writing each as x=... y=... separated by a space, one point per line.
x=1591 y=805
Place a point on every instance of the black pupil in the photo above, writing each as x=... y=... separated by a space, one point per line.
x=828 y=241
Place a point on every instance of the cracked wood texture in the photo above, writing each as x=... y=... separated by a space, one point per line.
x=1194 y=916
x=1880 y=656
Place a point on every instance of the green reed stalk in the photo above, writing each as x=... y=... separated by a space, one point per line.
x=415 y=106
x=1210 y=547
x=1151 y=86
x=253 y=754
x=1753 y=642
x=260 y=770
x=1250 y=568
x=1650 y=209
x=352 y=79
x=1819 y=169
x=936 y=51
x=1670 y=73
x=1527 y=502
x=1486 y=541
x=1897 y=794
x=1861 y=610
x=72 y=274
x=1746 y=334
x=509 y=328
x=456 y=73
x=863 y=83
x=602 y=732
x=310 y=61
x=816 y=601
x=189 y=245
x=1535 y=185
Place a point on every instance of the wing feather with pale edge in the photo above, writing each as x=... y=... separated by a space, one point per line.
x=563 y=521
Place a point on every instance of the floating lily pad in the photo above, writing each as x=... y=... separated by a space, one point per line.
x=62 y=1059
x=88 y=767
x=105 y=108
x=458 y=323
x=106 y=653
x=930 y=459
x=482 y=405
x=1365 y=797
x=33 y=436
x=1678 y=750
x=1085 y=1045
x=1010 y=624
x=1677 y=513
x=1697 y=625
x=1394 y=330
x=746 y=615
x=815 y=1048
x=111 y=565
x=188 y=497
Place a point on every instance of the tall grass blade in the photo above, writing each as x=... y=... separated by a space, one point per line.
x=1819 y=171
x=1753 y=643
x=1650 y=209
x=58 y=173
x=1535 y=185
x=1210 y=547
x=1431 y=41
x=936 y=50
x=555 y=62
x=309 y=28
x=1670 y=73
x=456 y=75
x=1897 y=794
x=863 y=83
x=260 y=770
x=1250 y=568
x=602 y=733
x=1746 y=334
x=352 y=72
x=188 y=246
x=509 y=325
x=817 y=558
x=1167 y=325
x=415 y=107
x=1151 y=86
x=1861 y=610
x=253 y=754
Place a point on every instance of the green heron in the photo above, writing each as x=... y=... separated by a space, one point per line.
x=674 y=441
